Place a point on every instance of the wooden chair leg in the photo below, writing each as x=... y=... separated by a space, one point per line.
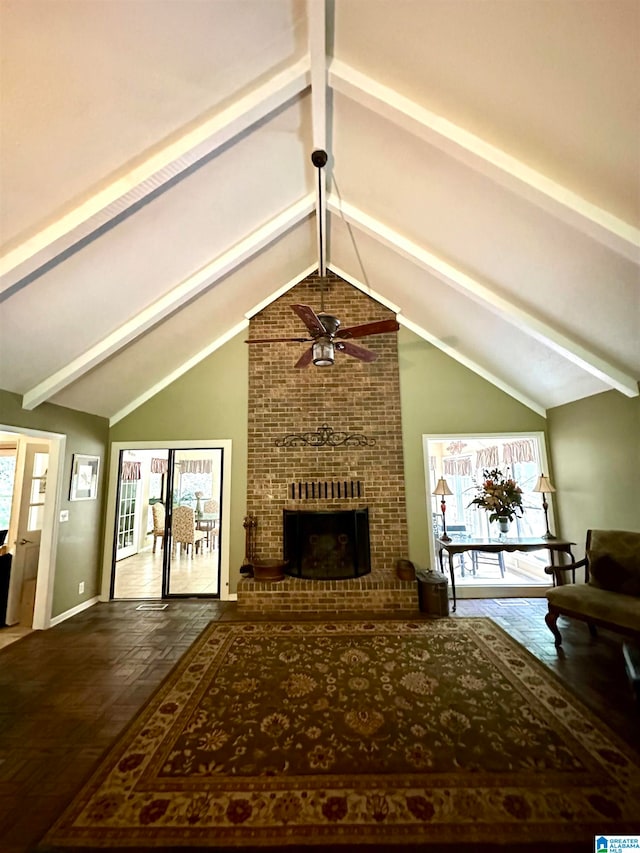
x=551 y=619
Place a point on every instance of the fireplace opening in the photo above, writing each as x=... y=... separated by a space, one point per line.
x=327 y=545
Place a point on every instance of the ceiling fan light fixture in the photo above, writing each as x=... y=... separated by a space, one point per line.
x=323 y=353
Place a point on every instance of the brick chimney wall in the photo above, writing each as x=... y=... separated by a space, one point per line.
x=351 y=397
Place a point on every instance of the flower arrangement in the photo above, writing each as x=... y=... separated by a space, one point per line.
x=499 y=495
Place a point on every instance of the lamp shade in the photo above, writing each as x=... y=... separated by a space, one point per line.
x=543 y=485
x=442 y=488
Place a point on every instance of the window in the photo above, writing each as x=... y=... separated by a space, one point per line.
x=461 y=460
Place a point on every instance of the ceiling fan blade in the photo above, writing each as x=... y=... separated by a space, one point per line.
x=310 y=319
x=278 y=340
x=356 y=351
x=378 y=327
x=305 y=359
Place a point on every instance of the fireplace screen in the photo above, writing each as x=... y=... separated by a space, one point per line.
x=329 y=545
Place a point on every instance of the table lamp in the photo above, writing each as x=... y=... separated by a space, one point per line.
x=544 y=486
x=443 y=489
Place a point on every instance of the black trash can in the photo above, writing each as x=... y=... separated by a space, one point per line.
x=433 y=593
x=5 y=576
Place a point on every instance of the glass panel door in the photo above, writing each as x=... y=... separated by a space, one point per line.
x=193 y=560
x=158 y=554
x=138 y=565
x=37 y=491
x=127 y=519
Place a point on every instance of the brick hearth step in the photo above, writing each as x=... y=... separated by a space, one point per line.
x=372 y=593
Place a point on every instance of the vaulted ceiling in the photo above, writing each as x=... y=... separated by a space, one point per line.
x=157 y=187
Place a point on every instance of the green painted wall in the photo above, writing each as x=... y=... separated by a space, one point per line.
x=441 y=396
x=208 y=402
x=595 y=451
x=78 y=555
x=593 y=446
x=438 y=395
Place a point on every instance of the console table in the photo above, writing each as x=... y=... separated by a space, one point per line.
x=469 y=543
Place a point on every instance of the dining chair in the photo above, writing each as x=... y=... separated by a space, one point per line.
x=158 y=513
x=210 y=525
x=183 y=529
x=495 y=559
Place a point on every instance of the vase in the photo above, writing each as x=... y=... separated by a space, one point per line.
x=503 y=524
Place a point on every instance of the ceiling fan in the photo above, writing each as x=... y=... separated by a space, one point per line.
x=326 y=336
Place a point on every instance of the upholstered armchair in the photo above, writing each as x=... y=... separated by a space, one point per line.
x=610 y=594
x=158 y=513
x=183 y=529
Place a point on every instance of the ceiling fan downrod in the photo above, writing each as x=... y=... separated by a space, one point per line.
x=319 y=159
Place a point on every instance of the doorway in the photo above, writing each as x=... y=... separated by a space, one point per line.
x=32 y=528
x=170 y=521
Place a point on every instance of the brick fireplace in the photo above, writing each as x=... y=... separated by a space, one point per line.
x=326 y=439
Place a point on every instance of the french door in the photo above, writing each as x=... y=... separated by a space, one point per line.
x=185 y=485
x=128 y=519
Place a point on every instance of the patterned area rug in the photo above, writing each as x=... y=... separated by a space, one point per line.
x=432 y=732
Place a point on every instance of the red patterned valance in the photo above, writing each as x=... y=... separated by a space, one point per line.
x=130 y=470
x=519 y=451
x=196 y=466
x=487 y=458
x=457 y=466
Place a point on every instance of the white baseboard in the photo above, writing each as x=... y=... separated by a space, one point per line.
x=56 y=620
x=233 y=596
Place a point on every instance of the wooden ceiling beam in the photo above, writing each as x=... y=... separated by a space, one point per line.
x=594 y=221
x=169 y=303
x=317 y=11
x=452 y=352
x=485 y=296
x=157 y=169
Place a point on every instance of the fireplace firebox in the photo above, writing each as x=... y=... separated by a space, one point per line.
x=327 y=545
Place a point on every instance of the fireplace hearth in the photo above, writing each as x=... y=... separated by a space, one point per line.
x=327 y=545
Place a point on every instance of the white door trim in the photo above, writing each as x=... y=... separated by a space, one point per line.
x=49 y=539
x=112 y=492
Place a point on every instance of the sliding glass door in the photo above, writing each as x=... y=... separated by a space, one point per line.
x=194 y=522
x=168 y=520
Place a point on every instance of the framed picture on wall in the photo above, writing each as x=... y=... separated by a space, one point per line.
x=84 y=477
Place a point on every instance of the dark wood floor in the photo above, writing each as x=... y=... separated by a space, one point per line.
x=66 y=693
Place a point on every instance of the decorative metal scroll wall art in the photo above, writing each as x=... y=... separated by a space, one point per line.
x=325 y=436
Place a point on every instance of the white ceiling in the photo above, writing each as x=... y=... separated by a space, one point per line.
x=157 y=185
